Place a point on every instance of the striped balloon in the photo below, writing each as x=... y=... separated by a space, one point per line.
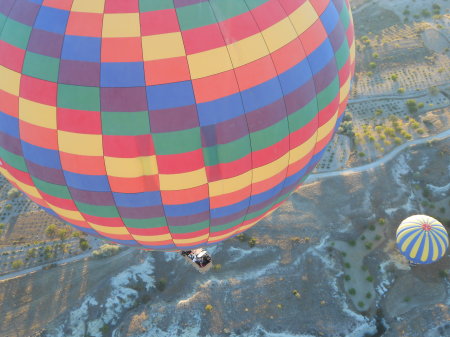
x=169 y=124
x=422 y=239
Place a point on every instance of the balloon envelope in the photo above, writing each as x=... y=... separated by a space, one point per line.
x=422 y=239
x=169 y=124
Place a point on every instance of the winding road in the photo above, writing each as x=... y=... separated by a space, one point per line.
x=391 y=155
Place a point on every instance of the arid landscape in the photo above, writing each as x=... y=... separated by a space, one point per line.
x=324 y=264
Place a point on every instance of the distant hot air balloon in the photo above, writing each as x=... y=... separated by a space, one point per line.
x=422 y=239
x=169 y=124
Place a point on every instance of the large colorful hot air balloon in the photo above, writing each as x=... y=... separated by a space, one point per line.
x=169 y=124
x=422 y=239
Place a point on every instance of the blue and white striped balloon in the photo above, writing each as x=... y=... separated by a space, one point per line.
x=422 y=239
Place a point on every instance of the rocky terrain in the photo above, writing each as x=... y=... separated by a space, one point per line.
x=291 y=283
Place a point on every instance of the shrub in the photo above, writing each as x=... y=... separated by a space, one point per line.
x=347 y=277
x=208 y=307
x=347 y=265
x=32 y=253
x=369 y=245
x=13 y=193
x=369 y=295
x=352 y=291
x=76 y=234
x=372 y=227
x=161 y=284
x=401 y=90
x=434 y=90
x=84 y=244
x=252 y=242
x=51 y=231
x=63 y=234
x=390 y=132
x=425 y=13
x=411 y=105
x=217 y=267
x=17 y=264
x=242 y=237
x=296 y=293
x=106 y=250
x=369 y=278
x=360 y=304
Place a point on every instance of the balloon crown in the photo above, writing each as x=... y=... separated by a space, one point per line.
x=426 y=227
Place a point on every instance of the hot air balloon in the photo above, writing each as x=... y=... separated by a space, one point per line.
x=169 y=124
x=422 y=239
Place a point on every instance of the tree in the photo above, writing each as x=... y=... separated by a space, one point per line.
x=51 y=231
x=425 y=13
x=32 y=253
x=76 y=234
x=84 y=244
x=48 y=252
x=372 y=65
x=161 y=284
x=412 y=105
x=394 y=77
x=434 y=90
x=13 y=193
x=63 y=234
x=17 y=264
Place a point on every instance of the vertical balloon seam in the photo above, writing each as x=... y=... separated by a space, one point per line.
x=59 y=153
x=148 y=116
x=436 y=247
x=57 y=142
x=236 y=230
x=198 y=119
x=43 y=200
x=9 y=13
x=275 y=197
x=101 y=125
x=316 y=117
